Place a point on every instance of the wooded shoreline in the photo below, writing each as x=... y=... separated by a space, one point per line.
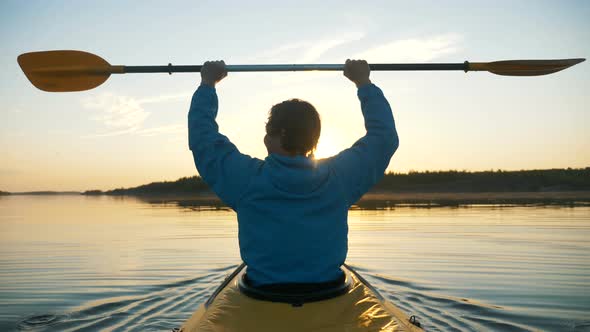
x=569 y=187
x=565 y=187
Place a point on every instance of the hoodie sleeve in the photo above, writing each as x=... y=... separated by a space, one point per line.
x=220 y=164
x=361 y=166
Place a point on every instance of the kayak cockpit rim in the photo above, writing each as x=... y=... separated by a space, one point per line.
x=297 y=294
x=291 y=298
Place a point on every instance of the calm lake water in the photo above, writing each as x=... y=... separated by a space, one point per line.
x=70 y=263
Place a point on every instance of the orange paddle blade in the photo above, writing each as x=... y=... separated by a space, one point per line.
x=524 y=67
x=59 y=71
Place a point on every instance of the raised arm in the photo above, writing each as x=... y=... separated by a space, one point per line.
x=220 y=164
x=362 y=165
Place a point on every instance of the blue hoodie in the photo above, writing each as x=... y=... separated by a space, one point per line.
x=292 y=211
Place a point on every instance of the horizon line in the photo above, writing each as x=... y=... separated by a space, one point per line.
x=73 y=192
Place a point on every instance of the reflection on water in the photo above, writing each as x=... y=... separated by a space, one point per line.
x=102 y=263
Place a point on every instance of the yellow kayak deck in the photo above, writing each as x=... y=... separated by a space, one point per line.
x=360 y=309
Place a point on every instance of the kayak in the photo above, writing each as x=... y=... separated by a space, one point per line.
x=352 y=305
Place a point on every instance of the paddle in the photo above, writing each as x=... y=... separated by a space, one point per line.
x=59 y=71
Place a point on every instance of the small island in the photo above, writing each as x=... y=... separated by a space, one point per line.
x=41 y=193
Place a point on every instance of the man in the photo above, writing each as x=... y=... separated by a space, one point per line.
x=292 y=209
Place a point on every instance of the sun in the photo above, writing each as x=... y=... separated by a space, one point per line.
x=326 y=148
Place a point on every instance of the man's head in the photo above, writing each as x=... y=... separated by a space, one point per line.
x=293 y=128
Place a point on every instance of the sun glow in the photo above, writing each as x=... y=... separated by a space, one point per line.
x=326 y=148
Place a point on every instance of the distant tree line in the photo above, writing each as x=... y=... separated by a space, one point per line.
x=438 y=181
x=489 y=181
x=41 y=193
x=185 y=185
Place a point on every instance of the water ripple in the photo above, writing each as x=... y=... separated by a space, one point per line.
x=35 y=322
x=160 y=306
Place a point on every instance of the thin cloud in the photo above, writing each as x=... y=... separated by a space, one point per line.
x=413 y=49
x=123 y=115
x=169 y=129
x=112 y=133
x=174 y=129
x=318 y=49
x=117 y=112
x=166 y=98
x=306 y=51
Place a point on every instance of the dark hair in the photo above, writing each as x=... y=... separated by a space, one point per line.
x=297 y=123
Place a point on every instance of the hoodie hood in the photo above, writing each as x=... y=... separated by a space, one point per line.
x=297 y=175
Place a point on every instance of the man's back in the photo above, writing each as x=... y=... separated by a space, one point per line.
x=292 y=209
x=292 y=222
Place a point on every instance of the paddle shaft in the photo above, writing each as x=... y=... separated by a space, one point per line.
x=295 y=67
x=70 y=70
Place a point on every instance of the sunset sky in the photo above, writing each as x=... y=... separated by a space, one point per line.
x=132 y=129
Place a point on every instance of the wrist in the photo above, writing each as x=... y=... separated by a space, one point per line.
x=208 y=83
x=362 y=82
